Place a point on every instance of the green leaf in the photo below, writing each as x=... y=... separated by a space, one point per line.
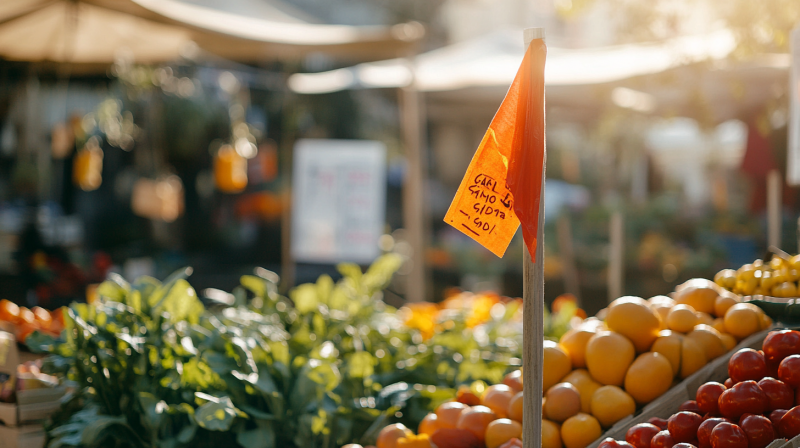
x=216 y=416
x=350 y=270
x=361 y=365
x=93 y=433
x=261 y=437
x=305 y=298
x=180 y=302
x=153 y=409
x=112 y=291
x=256 y=285
x=187 y=433
x=324 y=288
x=39 y=342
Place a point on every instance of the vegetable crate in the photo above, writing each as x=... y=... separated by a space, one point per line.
x=20 y=425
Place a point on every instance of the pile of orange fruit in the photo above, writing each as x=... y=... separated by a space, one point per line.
x=598 y=373
x=24 y=321
x=778 y=278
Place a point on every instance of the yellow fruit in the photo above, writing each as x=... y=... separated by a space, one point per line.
x=776 y=262
x=574 y=343
x=741 y=321
x=681 y=318
x=579 y=431
x=709 y=339
x=693 y=357
x=389 y=435
x=551 y=434
x=669 y=345
x=700 y=294
x=556 y=364
x=515 y=407
x=633 y=318
x=745 y=272
x=728 y=340
x=611 y=404
x=501 y=431
x=794 y=262
x=719 y=324
x=608 y=355
x=649 y=376
x=726 y=278
x=704 y=318
x=661 y=305
x=661 y=300
x=563 y=401
x=767 y=281
x=766 y=321
x=785 y=289
x=586 y=386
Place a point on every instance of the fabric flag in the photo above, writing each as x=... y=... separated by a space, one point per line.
x=503 y=184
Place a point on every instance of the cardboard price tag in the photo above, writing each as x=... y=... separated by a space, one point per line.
x=483 y=207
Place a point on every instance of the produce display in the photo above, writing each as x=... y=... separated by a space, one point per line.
x=778 y=278
x=756 y=405
x=600 y=371
x=24 y=321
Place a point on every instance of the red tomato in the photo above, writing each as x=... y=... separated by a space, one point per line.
x=659 y=422
x=662 y=440
x=640 y=435
x=775 y=417
x=779 y=395
x=728 y=435
x=611 y=443
x=683 y=426
x=789 y=425
x=708 y=397
x=759 y=431
x=747 y=364
x=683 y=445
x=780 y=344
x=789 y=371
x=704 y=431
x=728 y=383
x=745 y=397
x=690 y=406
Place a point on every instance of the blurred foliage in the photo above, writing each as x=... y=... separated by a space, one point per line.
x=328 y=365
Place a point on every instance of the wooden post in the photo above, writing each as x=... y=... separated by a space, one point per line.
x=567 y=252
x=532 y=316
x=616 y=257
x=774 y=187
x=414 y=187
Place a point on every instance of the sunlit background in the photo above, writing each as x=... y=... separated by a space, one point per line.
x=139 y=136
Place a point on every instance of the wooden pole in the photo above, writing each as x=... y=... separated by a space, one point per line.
x=774 y=187
x=616 y=257
x=413 y=187
x=532 y=316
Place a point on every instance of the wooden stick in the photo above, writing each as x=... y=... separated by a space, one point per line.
x=532 y=317
x=616 y=257
x=774 y=185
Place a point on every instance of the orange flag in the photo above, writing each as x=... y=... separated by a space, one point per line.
x=503 y=184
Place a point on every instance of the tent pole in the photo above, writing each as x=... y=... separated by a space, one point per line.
x=533 y=325
x=414 y=185
x=774 y=184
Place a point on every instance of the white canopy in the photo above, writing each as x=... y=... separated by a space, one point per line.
x=92 y=31
x=493 y=60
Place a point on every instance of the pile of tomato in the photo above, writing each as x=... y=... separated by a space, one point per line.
x=757 y=404
x=25 y=321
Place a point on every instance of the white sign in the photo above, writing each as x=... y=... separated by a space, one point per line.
x=338 y=200
x=793 y=150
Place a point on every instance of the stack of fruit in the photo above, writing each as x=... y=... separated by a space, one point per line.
x=599 y=371
x=23 y=321
x=778 y=278
x=753 y=407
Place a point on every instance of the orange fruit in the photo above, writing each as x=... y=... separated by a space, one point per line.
x=551 y=434
x=718 y=324
x=574 y=343
x=26 y=316
x=475 y=420
x=699 y=293
x=709 y=339
x=429 y=424
x=661 y=305
x=448 y=413
x=648 y=377
x=611 y=404
x=723 y=302
x=593 y=324
x=669 y=344
x=389 y=435
x=501 y=431
x=563 y=401
x=466 y=396
x=9 y=311
x=496 y=398
x=693 y=357
x=742 y=320
x=633 y=318
x=586 y=386
x=766 y=321
x=681 y=318
x=728 y=340
x=515 y=406
x=556 y=364
x=42 y=317
x=580 y=430
x=704 y=318
x=514 y=380
x=412 y=441
x=606 y=346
